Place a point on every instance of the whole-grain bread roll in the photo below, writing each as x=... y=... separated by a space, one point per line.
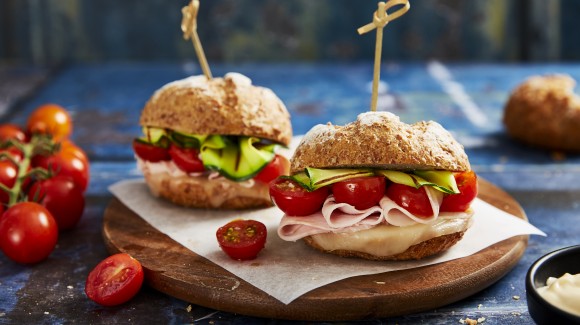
x=225 y=106
x=544 y=112
x=380 y=140
x=228 y=106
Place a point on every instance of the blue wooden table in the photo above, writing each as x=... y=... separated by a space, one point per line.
x=106 y=100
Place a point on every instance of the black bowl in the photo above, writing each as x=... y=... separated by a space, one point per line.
x=554 y=264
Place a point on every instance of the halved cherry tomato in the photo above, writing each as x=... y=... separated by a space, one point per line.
x=294 y=200
x=62 y=197
x=187 y=159
x=66 y=163
x=28 y=233
x=12 y=132
x=242 y=239
x=467 y=184
x=361 y=192
x=414 y=200
x=50 y=119
x=149 y=152
x=115 y=280
x=8 y=174
x=277 y=167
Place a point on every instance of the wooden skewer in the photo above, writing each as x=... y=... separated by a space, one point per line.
x=380 y=19
x=189 y=28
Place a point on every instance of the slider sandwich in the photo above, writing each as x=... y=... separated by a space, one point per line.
x=211 y=143
x=377 y=189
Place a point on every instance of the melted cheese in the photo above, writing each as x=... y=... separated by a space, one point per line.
x=386 y=240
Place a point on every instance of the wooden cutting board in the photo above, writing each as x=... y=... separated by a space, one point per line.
x=178 y=272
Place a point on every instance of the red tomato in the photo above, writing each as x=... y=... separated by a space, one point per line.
x=149 y=152
x=69 y=146
x=62 y=197
x=115 y=280
x=467 y=184
x=12 y=132
x=295 y=200
x=277 y=167
x=14 y=153
x=361 y=192
x=414 y=200
x=28 y=233
x=65 y=163
x=187 y=159
x=50 y=119
x=8 y=175
x=242 y=239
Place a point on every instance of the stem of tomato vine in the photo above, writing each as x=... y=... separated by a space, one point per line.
x=37 y=144
x=27 y=150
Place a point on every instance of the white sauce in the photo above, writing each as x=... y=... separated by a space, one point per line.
x=563 y=292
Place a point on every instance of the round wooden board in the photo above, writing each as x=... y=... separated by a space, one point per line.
x=177 y=271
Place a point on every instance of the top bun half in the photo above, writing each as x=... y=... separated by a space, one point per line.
x=380 y=140
x=224 y=106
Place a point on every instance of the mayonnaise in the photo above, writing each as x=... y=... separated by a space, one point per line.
x=563 y=292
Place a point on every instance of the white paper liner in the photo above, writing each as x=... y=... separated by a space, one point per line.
x=287 y=270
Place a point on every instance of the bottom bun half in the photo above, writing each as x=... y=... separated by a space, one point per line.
x=368 y=244
x=202 y=192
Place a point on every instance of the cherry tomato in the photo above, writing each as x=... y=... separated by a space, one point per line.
x=28 y=233
x=65 y=163
x=68 y=145
x=361 y=192
x=13 y=152
x=277 y=167
x=8 y=175
x=294 y=200
x=12 y=132
x=149 y=152
x=414 y=200
x=115 y=280
x=50 y=119
x=187 y=159
x=242 y=239
x=62 y=197
x=467 y=184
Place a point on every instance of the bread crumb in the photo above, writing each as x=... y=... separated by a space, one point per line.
x=516 y=297
x=515 y=313
x=69 y=287
x=470 y=321
x=188 y=309
x=481 y=319
x=479 y=306
x=2 y=314
x=380 y=282
x=46 y=313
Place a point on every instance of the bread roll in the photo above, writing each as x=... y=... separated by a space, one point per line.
x=380 y=140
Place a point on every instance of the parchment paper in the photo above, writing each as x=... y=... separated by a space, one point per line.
x=287 y=270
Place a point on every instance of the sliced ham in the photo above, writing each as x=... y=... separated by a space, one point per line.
x=341 y=217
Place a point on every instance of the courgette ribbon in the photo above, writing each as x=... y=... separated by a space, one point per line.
x=314 y=178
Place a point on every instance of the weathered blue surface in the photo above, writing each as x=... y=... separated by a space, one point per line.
x=106 y=101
